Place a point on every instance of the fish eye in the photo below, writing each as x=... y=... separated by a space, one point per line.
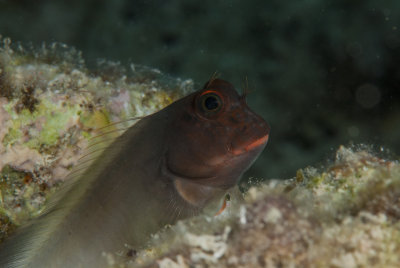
x=210 y=103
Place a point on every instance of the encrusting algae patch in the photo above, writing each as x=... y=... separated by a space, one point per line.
x=343 y=215
x=51 y=105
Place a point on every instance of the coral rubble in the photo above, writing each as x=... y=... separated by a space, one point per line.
x=344 y=215
x=51 y=105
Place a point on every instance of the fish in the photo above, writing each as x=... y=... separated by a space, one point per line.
x=168 y=166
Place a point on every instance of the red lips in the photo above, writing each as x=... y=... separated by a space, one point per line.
x=255 y=144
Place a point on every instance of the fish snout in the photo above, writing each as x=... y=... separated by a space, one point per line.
x=252 y=135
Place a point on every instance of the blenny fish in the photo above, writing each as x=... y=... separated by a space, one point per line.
x=166 y=167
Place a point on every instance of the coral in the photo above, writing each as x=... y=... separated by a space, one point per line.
x=51 y=106
x=342 y=215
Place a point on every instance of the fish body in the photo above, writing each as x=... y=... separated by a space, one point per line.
x=166 y=167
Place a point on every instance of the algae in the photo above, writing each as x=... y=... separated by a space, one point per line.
x=343 y=214
x=51 y=108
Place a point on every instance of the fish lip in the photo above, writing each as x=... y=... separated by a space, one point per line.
x=256 y=144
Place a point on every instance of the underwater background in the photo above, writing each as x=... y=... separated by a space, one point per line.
x=322 y=73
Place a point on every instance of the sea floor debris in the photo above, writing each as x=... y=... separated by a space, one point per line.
x=341 y=215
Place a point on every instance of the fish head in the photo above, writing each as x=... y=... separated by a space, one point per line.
x=214 y=139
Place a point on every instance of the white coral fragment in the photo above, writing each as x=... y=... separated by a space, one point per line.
x=168 y=263
x=208 y=247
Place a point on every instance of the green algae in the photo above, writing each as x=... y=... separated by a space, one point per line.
x=21 y=196
x=54 y=120
x=13 y=135
x=52 y=107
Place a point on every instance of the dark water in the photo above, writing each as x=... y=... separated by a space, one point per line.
x=322 y=73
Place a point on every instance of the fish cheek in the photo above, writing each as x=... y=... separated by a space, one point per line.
x=194 y=147
x=183 y=160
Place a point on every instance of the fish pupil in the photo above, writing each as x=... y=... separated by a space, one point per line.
x=211 y=103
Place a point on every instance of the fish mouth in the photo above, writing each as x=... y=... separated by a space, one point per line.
x=256 y=144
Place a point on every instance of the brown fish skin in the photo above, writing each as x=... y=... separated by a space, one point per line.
x=167 y=167
x=221 y=145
